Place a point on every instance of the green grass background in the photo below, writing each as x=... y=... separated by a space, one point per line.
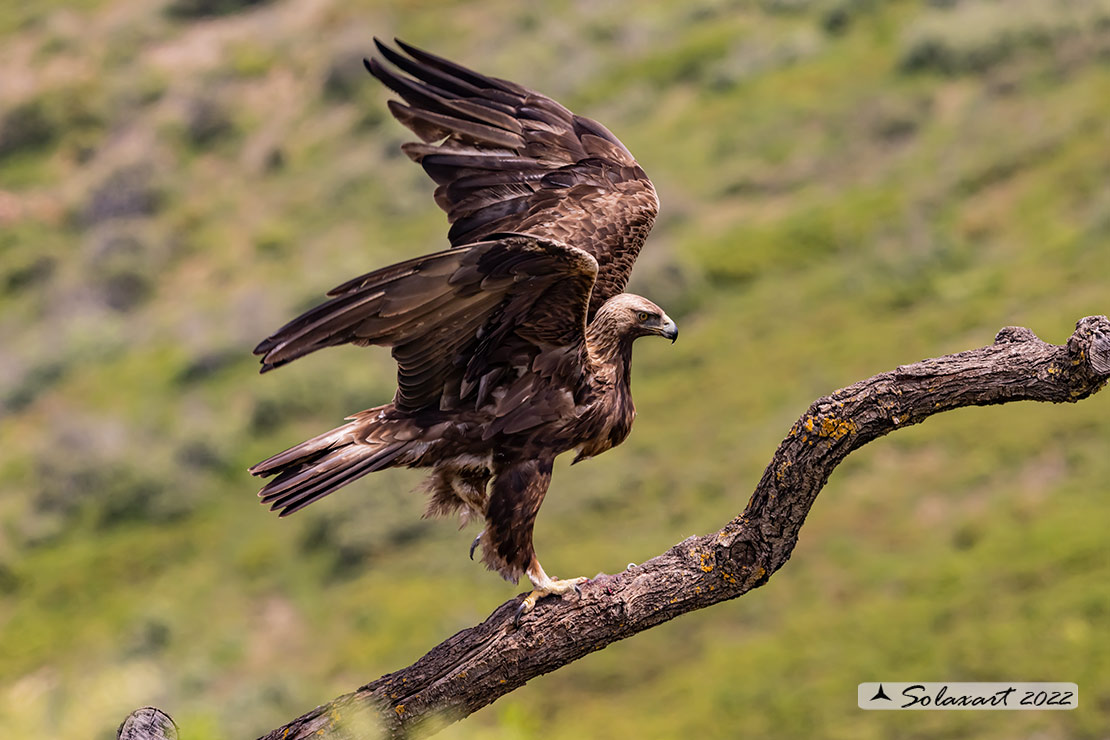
x=847 y=185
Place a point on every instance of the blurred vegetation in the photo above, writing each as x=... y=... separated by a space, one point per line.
x=847 y=185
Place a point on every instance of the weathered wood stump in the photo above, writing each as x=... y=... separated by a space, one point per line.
x=147 y=723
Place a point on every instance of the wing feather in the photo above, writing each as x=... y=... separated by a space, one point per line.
x=455 y=320
x=507 y=159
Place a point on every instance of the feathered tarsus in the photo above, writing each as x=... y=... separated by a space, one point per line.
x=513 y=345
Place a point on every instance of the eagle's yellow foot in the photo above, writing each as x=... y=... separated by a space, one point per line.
x=544 y=585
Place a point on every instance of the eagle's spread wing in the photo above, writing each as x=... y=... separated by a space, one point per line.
x=457 y=319
x=506 y=158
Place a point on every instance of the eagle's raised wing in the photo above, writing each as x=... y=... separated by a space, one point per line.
x=506 y=158
x=457 y=320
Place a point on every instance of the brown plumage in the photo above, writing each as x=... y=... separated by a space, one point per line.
x=514 y=345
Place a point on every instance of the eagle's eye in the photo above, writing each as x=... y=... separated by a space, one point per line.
x=643 y=316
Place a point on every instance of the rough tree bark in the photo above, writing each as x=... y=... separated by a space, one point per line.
x=480 y=664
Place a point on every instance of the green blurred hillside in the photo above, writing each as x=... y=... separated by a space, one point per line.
x=847 y=185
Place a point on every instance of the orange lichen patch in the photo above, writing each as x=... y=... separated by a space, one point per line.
x=399 y=709
x=830 y=426
x=780 y=473
x=838 y=428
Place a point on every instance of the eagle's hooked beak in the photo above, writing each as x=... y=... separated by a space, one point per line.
x=669 y=329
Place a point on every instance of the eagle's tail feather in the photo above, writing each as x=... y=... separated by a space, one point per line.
x=313 y=469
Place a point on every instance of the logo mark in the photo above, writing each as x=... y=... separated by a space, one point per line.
x=950 y=695
x=880 y=694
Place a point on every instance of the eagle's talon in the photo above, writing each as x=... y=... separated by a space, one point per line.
x=474 y=544
x=545 y=585
x=526 y=605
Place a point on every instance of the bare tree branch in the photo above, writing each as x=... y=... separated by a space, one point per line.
x=480 y=664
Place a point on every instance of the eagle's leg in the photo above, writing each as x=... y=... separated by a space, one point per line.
x=544 y=585
x=518 y=489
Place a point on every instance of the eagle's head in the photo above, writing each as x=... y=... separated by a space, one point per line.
x=632 y=316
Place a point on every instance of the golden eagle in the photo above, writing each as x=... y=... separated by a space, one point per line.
x=512 y=346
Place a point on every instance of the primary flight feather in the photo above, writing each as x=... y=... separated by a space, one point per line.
x=512 y=346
